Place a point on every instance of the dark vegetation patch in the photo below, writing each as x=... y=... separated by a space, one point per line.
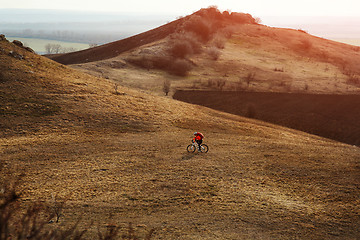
x=331 y=116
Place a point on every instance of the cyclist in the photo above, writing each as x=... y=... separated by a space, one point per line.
x=198 y=138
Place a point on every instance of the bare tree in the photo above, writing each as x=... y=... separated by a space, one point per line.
x=57 y=48
x=220 y=83
x=56 y=207
x=249 y=78
x=52 y=48
x=48 y=48
x=92 y=45
x=166 y=86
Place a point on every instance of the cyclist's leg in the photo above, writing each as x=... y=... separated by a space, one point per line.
x=199 y=143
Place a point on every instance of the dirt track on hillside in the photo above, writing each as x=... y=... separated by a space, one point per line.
x=331 y=116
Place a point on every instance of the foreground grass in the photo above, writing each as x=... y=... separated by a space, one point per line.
x=121 y=158
x=245 y=187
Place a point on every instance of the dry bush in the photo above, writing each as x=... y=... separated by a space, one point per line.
x=192 y=39
x=216 y=84
x=211 y=83
x=211 y=12
x=242 y=18
x=180 y=49
x=141 y=61
x=160 y=62
x=279 y=69
x=219 y=41
x=35 y=223
x=227 y=31
x=220 y=84
x=199 y=26
x=249 y=78
x=353 y=78
x=180 y=67
x=176 y=66
x=214 y=53
x=166 y=86
x=32 y=224
x=150 y=61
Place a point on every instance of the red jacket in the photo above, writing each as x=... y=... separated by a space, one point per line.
x=198 y=136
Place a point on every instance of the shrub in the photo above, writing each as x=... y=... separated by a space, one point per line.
x=199 y=26
x=249 y=78
x=180 y=67
x=190 y=39
x=353 y=79
x=214 y=53
x=180 y=49
x=211 y=83
x=160 y=62
x=220 y=83
x=166 y=86
x=141 y=61
x=242 y=18
x=219 y=41
x=257 y=20
x=34 y=223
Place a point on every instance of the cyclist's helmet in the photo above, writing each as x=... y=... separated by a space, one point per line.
x=195 y=133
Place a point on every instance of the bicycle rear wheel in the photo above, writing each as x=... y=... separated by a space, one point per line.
x=204 y=148
x=191 y=148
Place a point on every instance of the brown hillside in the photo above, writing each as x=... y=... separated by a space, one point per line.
x=240 y=53
x=114 y=49
x=118 y=157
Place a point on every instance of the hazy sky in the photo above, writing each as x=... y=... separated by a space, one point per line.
x=257 y=8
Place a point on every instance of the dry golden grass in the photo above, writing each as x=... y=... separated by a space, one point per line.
x=283 y=60
x=120 y=158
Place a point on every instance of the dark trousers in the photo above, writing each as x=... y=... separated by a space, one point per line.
x=198 y=142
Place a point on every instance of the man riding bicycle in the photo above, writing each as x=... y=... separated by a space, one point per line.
x=198 y=138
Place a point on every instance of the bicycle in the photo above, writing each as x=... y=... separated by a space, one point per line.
x=194 y=146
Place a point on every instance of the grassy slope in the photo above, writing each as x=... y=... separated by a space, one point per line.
x=120 y=158
x=305 y=64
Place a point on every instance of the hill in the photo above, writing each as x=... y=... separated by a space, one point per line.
x=117 y=156
x=228 y=51
x=222 y=51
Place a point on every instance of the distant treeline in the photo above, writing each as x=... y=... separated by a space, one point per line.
x=82 y=29
x=65 y=35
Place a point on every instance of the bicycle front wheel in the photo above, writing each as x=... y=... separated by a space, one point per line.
x=204 y=148
x=191 y=148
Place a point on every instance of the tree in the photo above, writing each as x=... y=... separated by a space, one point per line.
x=166 y=86
x=48 y=48
x=220 y=83
x=52 y=48
x=249 y=78
x=92 y=45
